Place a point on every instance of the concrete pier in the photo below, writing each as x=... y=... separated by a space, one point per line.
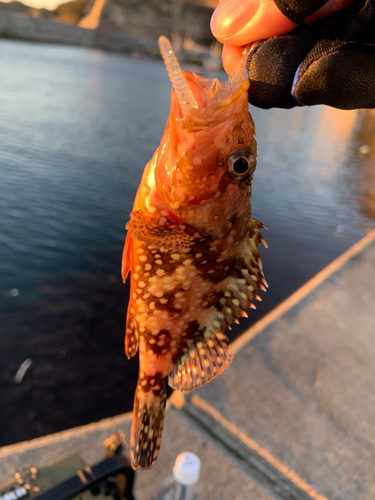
x=22 y=27
x=291 y=418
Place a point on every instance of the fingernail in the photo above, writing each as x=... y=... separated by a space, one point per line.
x=232 y=15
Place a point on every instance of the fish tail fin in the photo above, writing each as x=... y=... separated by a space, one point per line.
x=147 y=428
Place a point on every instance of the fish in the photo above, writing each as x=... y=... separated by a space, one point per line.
x=191 y=246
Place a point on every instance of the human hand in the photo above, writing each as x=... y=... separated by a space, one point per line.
x=329 y=61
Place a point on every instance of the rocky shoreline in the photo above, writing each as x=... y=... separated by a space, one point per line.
x=24 y=27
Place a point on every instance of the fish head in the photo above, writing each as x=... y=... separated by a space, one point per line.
x=207 y=157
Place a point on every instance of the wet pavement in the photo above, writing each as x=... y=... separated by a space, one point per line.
x=291 y=418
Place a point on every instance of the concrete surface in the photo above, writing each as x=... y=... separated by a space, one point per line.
x=291 y=418
x=219 y=473
x=305 y=387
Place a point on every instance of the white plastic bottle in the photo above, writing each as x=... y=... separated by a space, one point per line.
x=185 y=475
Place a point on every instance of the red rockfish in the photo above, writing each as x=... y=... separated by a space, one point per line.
x=191 y=246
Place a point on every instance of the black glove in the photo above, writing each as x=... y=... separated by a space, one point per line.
x=297 y=10
x=331 y=62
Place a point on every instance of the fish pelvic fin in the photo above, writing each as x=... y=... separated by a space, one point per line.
x=131 y=335
x=204 y=360
x=147 y=230
x=147 y=428
x=208 y=354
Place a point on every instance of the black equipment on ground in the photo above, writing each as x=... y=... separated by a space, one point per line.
x=70 y=478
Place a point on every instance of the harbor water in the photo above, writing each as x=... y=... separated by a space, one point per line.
x=77 y=127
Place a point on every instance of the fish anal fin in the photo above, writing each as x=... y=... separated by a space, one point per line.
x=147 y=427
x=127 y=255
x=204 y=360
x=146 y=228
x=131 y=335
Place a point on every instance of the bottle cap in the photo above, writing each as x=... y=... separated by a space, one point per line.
x=186 y=468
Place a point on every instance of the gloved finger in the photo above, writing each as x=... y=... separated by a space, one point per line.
x=240 y=22
x=272 y=65
x=299 y=11
x=356 y=24
x=338 y=74
x=329 y=8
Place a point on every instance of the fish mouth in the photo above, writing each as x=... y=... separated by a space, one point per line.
x=218 y=105
x=222 y=95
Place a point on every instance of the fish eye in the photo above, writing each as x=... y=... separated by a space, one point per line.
x=241 y=164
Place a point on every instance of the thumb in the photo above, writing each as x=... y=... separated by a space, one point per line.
x=239 y=22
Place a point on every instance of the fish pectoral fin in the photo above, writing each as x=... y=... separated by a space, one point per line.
x=147 y=428
x=146 y=229
x=131 y=335
x=127 y=255
x=204 y=360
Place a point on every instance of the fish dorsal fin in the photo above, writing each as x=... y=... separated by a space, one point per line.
x=145 y=229
x=204 y=360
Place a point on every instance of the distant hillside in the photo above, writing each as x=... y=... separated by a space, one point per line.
x=71 y=12
x=177 y=19
x=186 y=22
x=13 y=7
x=208 y=3
x=74 y=10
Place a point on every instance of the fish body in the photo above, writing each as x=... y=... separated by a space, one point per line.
x=192 y=251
